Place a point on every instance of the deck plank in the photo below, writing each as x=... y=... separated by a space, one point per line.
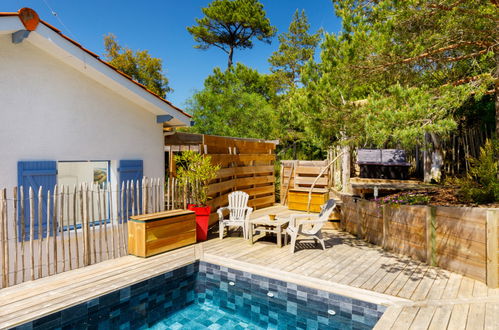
x=405 y=318
x=423 y=318
x=458 y=317
x=441 y=317
x=476 y=317
x=491 y=316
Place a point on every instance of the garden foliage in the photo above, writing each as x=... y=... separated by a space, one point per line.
x=194 y=173
x=482 y=183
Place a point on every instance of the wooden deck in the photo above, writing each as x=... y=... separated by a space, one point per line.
x=418 y=296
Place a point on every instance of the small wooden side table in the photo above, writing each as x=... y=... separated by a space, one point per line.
x=265 y=225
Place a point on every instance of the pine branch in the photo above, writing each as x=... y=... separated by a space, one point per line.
x=434 y=52
x=463 y=10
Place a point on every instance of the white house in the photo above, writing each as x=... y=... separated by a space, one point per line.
x=67 y=116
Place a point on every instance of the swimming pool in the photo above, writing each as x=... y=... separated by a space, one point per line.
x=208 y=296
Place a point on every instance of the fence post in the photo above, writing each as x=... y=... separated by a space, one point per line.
x=386 y=226
x=32 y=232
x=492 y=247
x=145 y=197
x=86 y=242
x=431 y=235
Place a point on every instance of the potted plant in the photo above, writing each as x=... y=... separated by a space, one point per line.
x=194 y=173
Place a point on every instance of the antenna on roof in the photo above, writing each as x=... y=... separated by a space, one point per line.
x=54 y=13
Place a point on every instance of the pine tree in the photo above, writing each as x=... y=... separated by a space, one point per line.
x=296 y=47
x=232 y=24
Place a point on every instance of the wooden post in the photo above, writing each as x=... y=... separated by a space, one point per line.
x=492 y=248
x=23 y=230
x=61 y=226
x=40 y=230
x=84 y=206
x=120 y=219
x=54 y=228
x=47 y=234
x=105 y=194
x=75 y=227
x=431 y=235
x=144 y=195
x=386 y=226
x=68 y=203
x=32 y=232
x=99 y=215
x=16 y=240
x=92 y=220
x=111 y=218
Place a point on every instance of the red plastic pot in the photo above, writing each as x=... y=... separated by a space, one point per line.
x=202 y=220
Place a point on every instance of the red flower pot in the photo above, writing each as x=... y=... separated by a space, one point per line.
x=202 y=220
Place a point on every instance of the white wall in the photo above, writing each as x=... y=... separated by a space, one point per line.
x=50 y=111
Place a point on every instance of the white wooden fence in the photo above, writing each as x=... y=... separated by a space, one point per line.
x=72 y=227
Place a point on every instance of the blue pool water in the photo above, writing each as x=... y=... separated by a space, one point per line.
x=207 y=296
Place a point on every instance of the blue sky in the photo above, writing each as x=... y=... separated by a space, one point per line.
x=160 y=27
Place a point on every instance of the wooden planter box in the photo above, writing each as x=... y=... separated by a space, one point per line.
x=298 y=199
x=154 y=233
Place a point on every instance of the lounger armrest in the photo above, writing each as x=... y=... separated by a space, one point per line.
x=249 y=210
x=220 y=212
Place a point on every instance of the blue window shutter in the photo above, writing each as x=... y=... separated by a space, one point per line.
x=35 y=174
x=131 y=170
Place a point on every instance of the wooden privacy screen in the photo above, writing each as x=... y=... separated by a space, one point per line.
x=461 y=239
x=300 y=175
x=246 y=165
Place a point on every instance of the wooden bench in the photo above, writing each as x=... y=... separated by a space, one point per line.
x=383 y=164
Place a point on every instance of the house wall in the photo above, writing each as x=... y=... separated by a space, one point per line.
x=50 y=111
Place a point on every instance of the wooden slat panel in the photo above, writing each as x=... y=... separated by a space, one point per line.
x=262 y=201
x=314 y=170
x=322 y=181
x=224 y=159
x=270 y=189
x=244 y=170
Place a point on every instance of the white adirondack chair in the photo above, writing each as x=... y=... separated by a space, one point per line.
x=239 y=213
x=296 y=226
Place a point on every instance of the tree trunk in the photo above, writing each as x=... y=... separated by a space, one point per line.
x=231 y=53
x=426 y=159
x=436 y=159
x=345 y=170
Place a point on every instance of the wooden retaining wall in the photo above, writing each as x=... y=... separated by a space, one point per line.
x=460 y=239
x=246 y=165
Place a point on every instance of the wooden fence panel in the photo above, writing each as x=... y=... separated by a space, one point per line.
x=86 y=224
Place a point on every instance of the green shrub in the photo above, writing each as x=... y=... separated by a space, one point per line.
x=481 y=185
x=194 y=173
